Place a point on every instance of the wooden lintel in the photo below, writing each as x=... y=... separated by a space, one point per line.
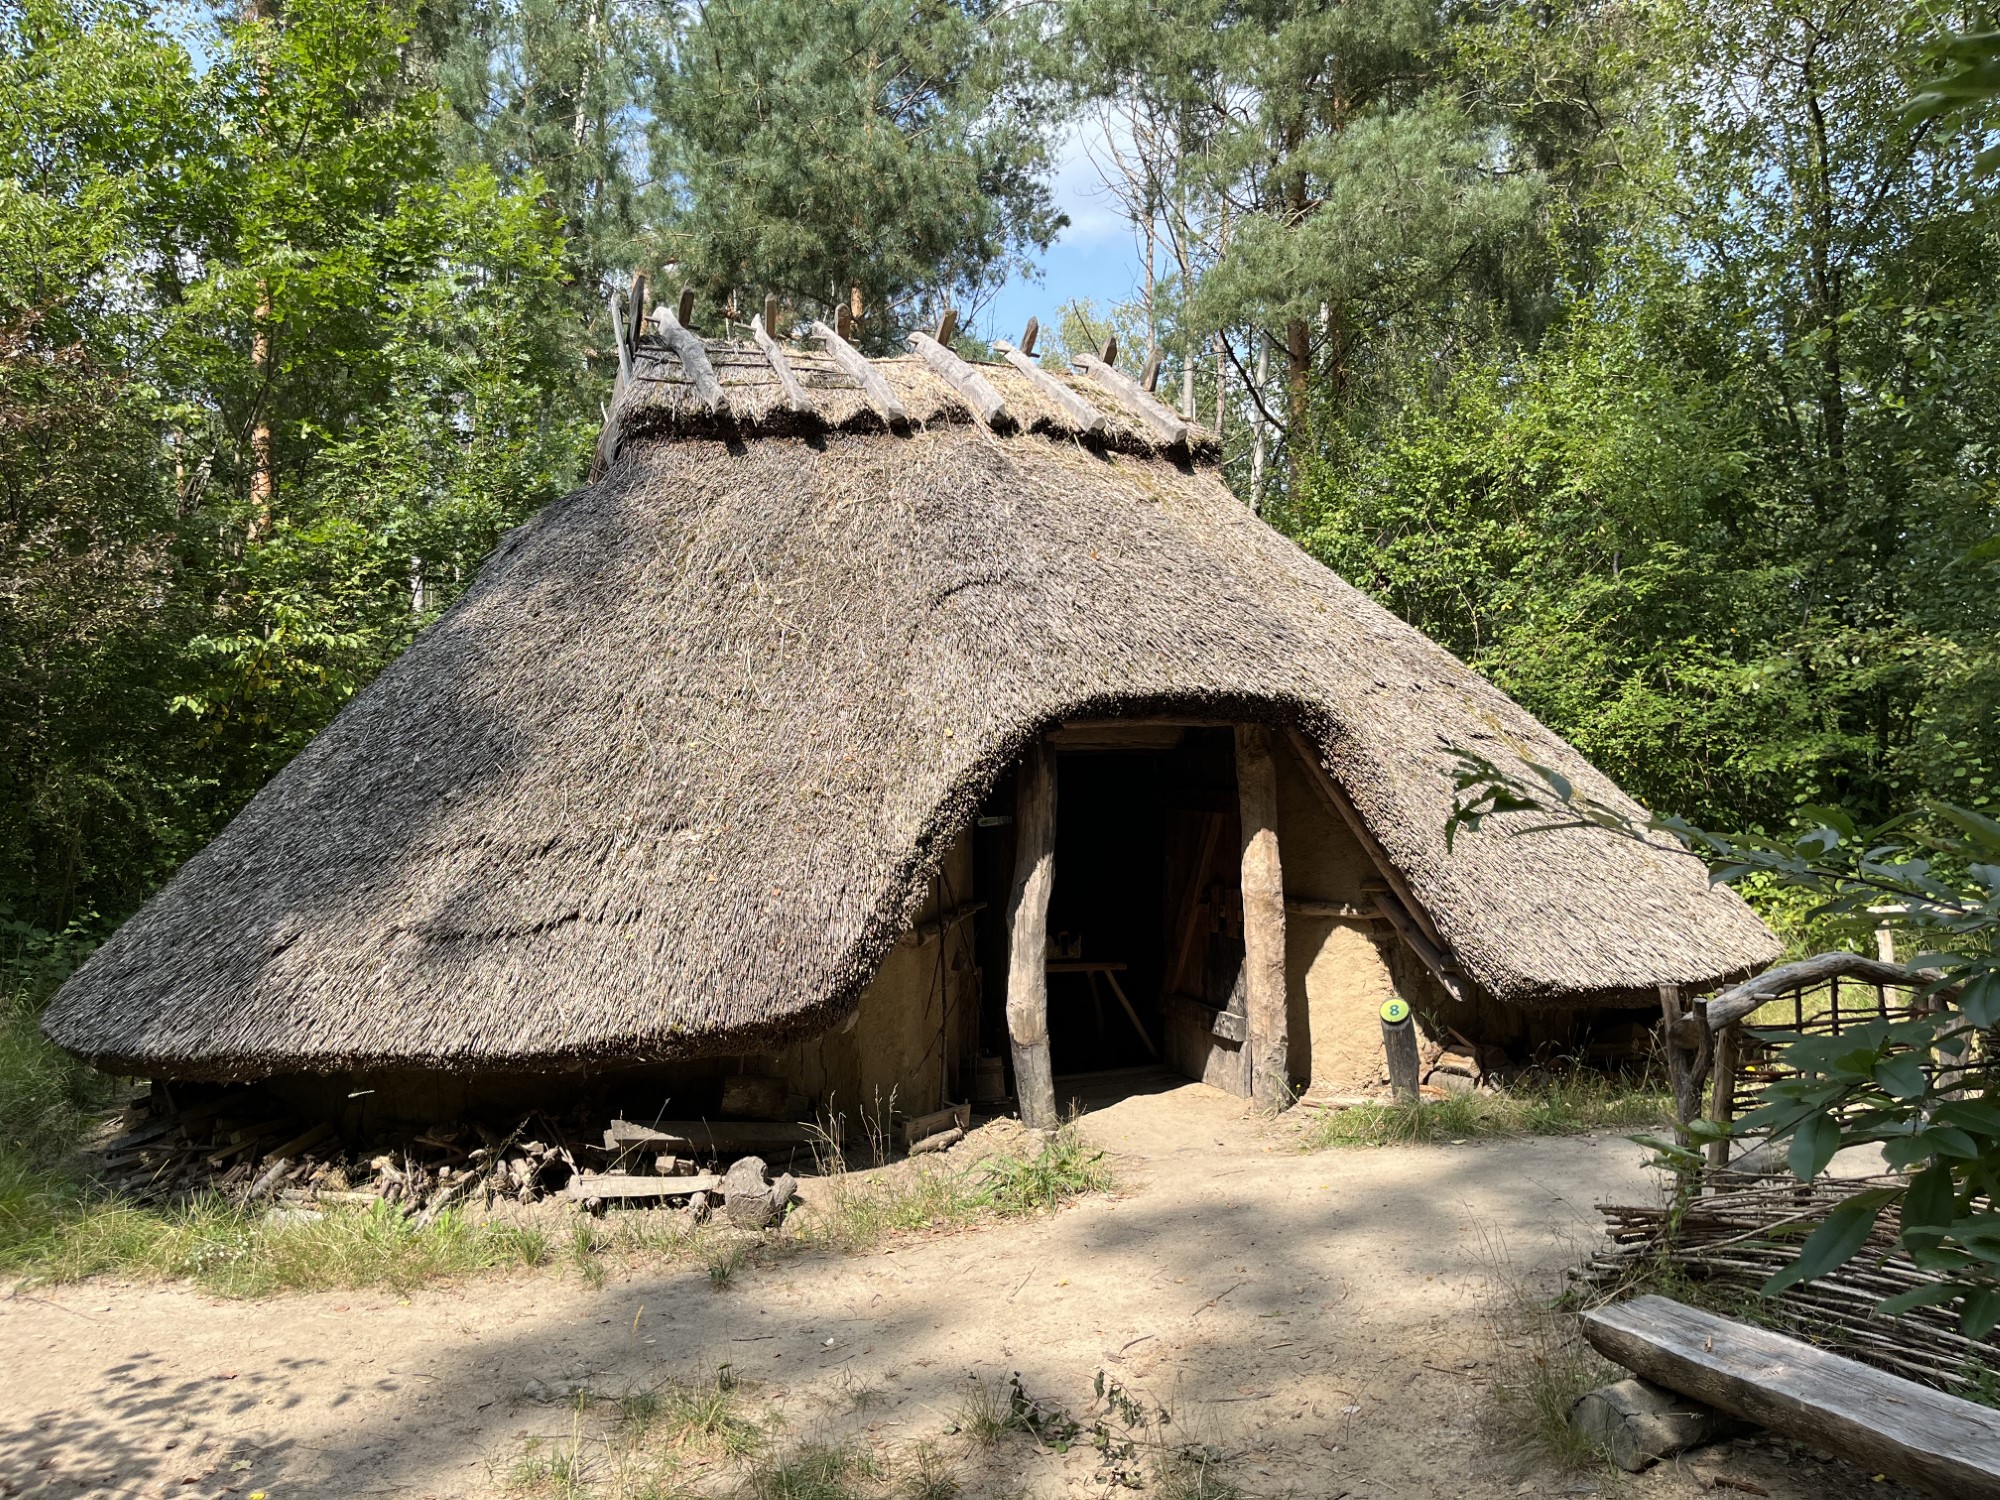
x=865 y=375
x=1078 y=410
x=1164 y=421
x=973 y=388
x=1340 y=910
x=693 y=357
x=795 y=394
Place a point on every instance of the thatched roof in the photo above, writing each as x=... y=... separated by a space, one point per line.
x=668 y=779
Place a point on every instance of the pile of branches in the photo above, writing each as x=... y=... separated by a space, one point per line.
x=1721 y=1245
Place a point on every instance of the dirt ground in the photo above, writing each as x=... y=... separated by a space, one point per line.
x=1325 y=1319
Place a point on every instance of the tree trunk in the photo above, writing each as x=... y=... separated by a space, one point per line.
x=1263 y=918
x=1028 y=937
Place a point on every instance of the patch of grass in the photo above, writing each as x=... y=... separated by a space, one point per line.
x=239 y=1253
x=1565 y=1105
x=1544 y=1368
x=1064 y=1168
x=929 y=1473
x=703 y=1416
x=985 y=1415
x=1193 y=1474
x=813 y=1472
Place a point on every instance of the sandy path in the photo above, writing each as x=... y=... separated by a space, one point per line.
x=1323 y=1315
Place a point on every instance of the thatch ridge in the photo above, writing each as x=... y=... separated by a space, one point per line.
x=673 y=775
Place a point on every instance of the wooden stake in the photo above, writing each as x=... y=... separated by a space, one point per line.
x=873 y=386
x=1087 y=417
x=1150 y=381
x=973 y=387
x=1263 y=917
x=1171 y=430
x=1028 y=336
x=771 y=314
x=1028 y=937
x=843 y=321
x=685 y=317
x=1722 y=1101
x=947 y=327
x=618 y=337
x=1109 y=353
x=641 y=308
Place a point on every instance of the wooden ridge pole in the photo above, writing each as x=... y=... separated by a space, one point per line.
x=1263 y=918
x=865 y=375
x=973 y=388
x=1087 y=417
x=1028 y=937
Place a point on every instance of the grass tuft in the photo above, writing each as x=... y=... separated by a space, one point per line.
x=813 y=1472
x=1565 y=1105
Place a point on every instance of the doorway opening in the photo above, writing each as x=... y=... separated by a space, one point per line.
x=1145 y=917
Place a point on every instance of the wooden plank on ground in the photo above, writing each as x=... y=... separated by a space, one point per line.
x=710 y=1137
x=1888 y=1424
x=624 y=1185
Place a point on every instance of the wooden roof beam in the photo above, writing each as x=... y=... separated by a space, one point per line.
x=1079 y=411
x=855 y=363
x=693 y=357
x=973 y=388
x=1164 y=421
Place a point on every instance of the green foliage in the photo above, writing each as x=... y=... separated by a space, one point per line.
x=1727 y=526
x=1925 y=1090
x=892 y=148
x=1564 y=1105
x=1063 y=1168
x=273 y=377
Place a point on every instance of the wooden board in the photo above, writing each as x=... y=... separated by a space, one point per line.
x=712 y=1137
x=626 y=1185
x=1895 y=1426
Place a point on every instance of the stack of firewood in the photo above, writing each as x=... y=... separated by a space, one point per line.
x=205 y=1148
x=1733 y=1237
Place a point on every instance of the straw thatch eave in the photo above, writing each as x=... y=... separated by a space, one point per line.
x=673 y=775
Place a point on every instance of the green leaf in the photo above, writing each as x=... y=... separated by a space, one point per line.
x=1902 y=1076
x=1813 y=1145
x=1932 y=1295
x=1833 y=1244
x=1981 y=1312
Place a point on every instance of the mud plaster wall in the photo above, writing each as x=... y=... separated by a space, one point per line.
x=913 y=1026
x=1338 y=970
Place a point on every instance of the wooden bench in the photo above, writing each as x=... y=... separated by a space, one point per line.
x=1895 y=1426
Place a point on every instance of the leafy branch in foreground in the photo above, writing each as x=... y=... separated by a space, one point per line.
x=1922 y=1088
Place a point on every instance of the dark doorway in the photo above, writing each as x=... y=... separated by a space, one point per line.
x=1145 y=905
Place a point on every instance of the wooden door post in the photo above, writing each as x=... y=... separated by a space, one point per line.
x=1028 y=937
x=1263 y=917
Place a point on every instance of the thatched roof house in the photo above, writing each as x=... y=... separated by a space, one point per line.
x=707 y=738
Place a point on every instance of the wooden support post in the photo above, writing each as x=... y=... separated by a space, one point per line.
x=1722 y=1098
x=1170 y=429
x=1088 y=418
x=1687 y=1066
x=1399 y=1046
x=1028 y=937
x=855 y=363
x=1263 y=917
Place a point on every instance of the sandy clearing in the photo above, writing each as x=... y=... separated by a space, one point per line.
x=1324 y=1317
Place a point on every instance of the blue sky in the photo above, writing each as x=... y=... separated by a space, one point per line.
x=1095 y=257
